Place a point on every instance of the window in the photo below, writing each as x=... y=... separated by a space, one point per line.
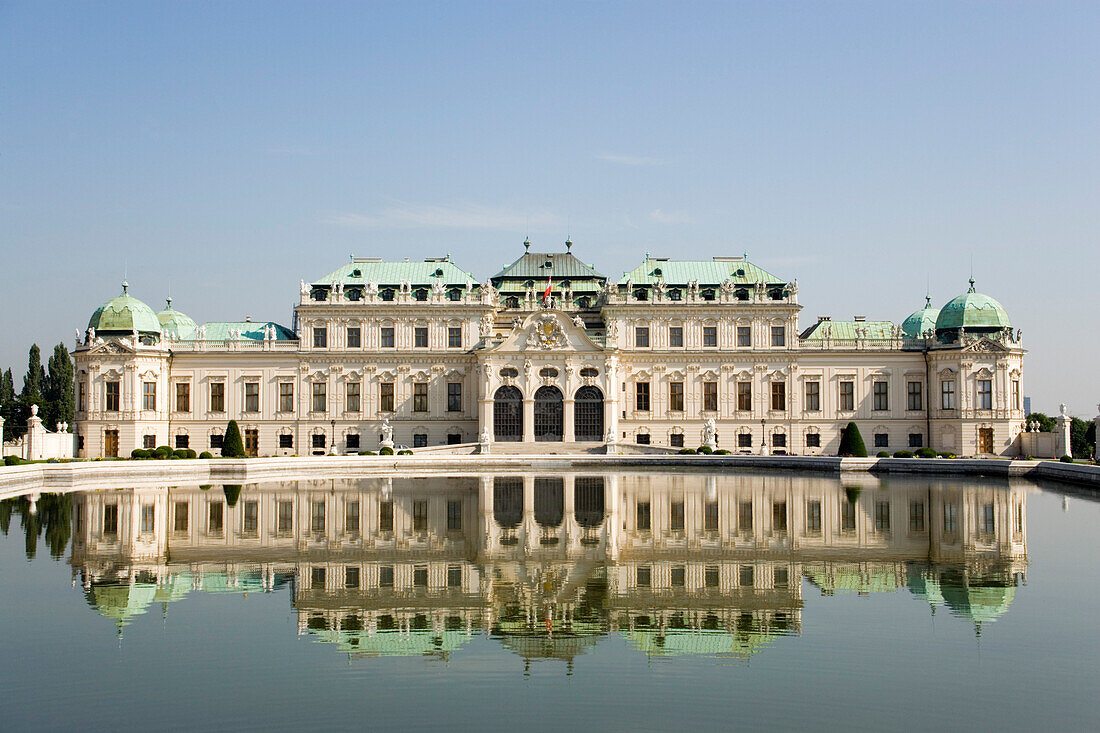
x=950 y=518
x=676 y=396
x=985 y=394
x=454 y=397
x=916 y=516
x=81 y=396
x=642 y=438
x=674 y=294
x=881 y=396
x=744 y=396
x=387 y=337
x=710 y=516
x=286 y=440
x=915 y=396
x=250 y=519
x=251 y=396
x=882 y=440
x=848 y=396
x=183 y=396
x=710 y=396
x=1015 y=394
x=454 y=294
x=251 y=442
x=351 y=577
x=286 y=397
x=779 y=335
x=149 y=442
x=387 y=294
x=385 y=516
x=744 y=516
x=744 y=440
x=385 y=397
x=420 y=440
x=988 y=519
x=676 y=440
x=352 y=402
x=149 y=396
x=285 y=523
x=216 y=440
x=675 y=336
x=320 y=337
x=710 y=576
x=813 y=516
x=676 y=516
x=420 y=397
x=813 y=440
x=454 y=438
x=319 y=440
x=882 y=516
x=779 y=440
x=317 y=578
x=779 y=396
x=183 y=441
x=355 y=338
x=677 y=576
x=454 y=576
x=813 y=397
x=710 y=336
x=148 y=518
x=745 y=576
x=641 y=337
x=744 y=336
x=179 y=522
x=111 y=396
x=643 y=576
x=779 y=516
x=352 y=440
x=847 y=516
x=110 y=519
x=217 y=397
x=420 y=516
x=320 y=396
x=454 y=515
x=317 y=516
x=420 y=337
x=641 y=396
x=781 y=578
x=454 y=337
x=643 y=516
x=215 y=517
x=916 y=440
x=351 y=517
x=947 y=395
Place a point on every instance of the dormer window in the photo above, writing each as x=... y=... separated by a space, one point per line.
x=740 y=272
x=319 y=294
x=641 y=294
x=582 y=302
x=708 y=294
x=529 y=284
x=657 y=272
x=354 y=293
x=742 y=294
x=512 y=302
x=386 y=294
x=421 y=294
x=438 y=272
x=776 y=293
x=548 y=264
x=674 y=294
x=357 y=273
x=454 y=294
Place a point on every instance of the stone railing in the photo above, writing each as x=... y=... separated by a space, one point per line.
x=233 y=345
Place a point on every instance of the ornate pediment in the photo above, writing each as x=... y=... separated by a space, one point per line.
x=985 y=346
x=112 y=347
x=548 y=330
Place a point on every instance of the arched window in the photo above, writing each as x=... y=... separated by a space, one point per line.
x=548 y=373
x=421 y=294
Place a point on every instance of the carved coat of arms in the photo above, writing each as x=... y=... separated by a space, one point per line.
x=546 y=333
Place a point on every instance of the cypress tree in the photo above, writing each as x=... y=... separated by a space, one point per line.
x=851 y=442
x=32 y=388
x=58 y=394
x=9 y=407
x=232 y=444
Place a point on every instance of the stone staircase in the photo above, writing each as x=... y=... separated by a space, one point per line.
x=545 y=449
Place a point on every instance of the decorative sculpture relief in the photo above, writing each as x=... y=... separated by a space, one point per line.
x=547 y=333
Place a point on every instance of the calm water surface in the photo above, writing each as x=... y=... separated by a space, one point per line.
x=552 y=601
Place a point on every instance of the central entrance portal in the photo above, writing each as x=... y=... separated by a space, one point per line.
x=588 y=414
x=508 y=414
x=549 y=415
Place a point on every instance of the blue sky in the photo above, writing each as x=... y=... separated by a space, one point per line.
x=225 y=151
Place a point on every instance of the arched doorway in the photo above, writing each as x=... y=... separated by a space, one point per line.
x=508 y=414
x=588 y=414
x=549 y=414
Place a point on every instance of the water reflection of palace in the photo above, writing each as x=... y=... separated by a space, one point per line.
x=549 y=564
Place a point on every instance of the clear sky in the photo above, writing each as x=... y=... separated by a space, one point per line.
x=870 y=150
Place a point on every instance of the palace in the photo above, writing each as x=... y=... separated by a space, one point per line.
x=673 y=354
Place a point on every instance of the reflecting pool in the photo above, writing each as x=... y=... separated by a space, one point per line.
x=552 y=600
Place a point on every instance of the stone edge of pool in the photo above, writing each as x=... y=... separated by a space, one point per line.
x=17 y=480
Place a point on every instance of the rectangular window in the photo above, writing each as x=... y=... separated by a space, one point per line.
x=779 y=440
x=710 y=516
x=112 y=396
x=420 y=397
x=677 y=576
x=643 y=516
x=676 y=336
x=317 y=516
x=351 y=440
x=351 y=517
x=676 y=396
x=881 y=394
x=149 y=396
x=183 y=441
x=319 y=440
x=710 y=396
x=641 y=396
x=81 y=395
x=385 y=516
x=744 y=516
x=744 y=396
x=847 y=516
x=916 y=516
x=149 y=442
x=286 y=440
x=745 y=576
x=985 y=394
x=950 y=518
x=351 y=577
x=882 y=440
x=813 y=397
x=779 y=516
x=387 y=337
x=148 y=518
x=988 y=519
x=813 y=440
x=353 y=396
x=420 y=440
x=286 y=517
x=217 y=397
x=320 y=337
x=454 y=516
x=251 y=396
x=643 y=576
x=215 y=518
x=782 y=578
x=642 y=438
x=385 y=576
x=216 y=440
x=454 y=337
x=180 y=517
x=251 y=442
x=320 y=396
x=110 y=519
x=676 y=516
x=779 y=396
x=779 y=335
x=744 y=336
x=355 y=337
x=915 y=396
x=641 y=337
x=420 y=337
x=286 y=397
x=848 y=396
x=250 y=519
x=454 y=397
x=454 y=576
x=420 y=516
x=317 y=578
x=813 y=516
x=947 y=394
x=385 y=397
x=183 y=397
x=1015 y=394
x=710 y=336
x=916 y=440
x=676 y=440
x=744 y=440
x=710 y=576
x=882 y=516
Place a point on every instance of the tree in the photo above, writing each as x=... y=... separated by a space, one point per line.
x=58 y=393
x=232 y=444
x=9 y=406
x=32 y=388
x=1079 y=438
x=851 y=442
x=1046 y=424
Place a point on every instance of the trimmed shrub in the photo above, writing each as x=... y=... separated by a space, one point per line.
x=162 y=452
x=404 y=452
x=721 y=452
x=232 y=443
x=386 y=451
x=686 y=451
x=883 y=454
x=206 y=455
x=926 y=452
x=191 y=453
x=14 y=461
x=851 y=442
x=1066 y=459
x=904 y=454
x=367 y=453
x=181 y=453
x=232 y=493
x=705 y=449
x=206 y=487
x=139 y=453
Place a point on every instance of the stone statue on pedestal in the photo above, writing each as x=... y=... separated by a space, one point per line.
x=710 y=434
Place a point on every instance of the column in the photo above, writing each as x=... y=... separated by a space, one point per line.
x=569 y=434
x=528 y=419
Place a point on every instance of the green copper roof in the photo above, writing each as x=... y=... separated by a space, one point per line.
x=124 y=314
x=705 y=272
x=174 y=324
x=122 y=602
x=680 y=642
x=856 y=577
x=365 y=270
x=539 y=266
x=922 y=321
x=979 y=604
x=972 y=310
x=849 y=330
x=250 y=330
x=393 y=643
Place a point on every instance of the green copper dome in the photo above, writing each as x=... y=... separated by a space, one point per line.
x=176 y=325
x=124 y=315
x=973 y=311
x=920 y=322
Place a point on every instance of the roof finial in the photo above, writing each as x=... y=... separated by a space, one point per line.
x=526 y=244
x=168 y=300
x=568 y=244
x=125 y=286
x=971 y=284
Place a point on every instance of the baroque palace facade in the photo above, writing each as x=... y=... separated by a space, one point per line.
x=672 y=352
